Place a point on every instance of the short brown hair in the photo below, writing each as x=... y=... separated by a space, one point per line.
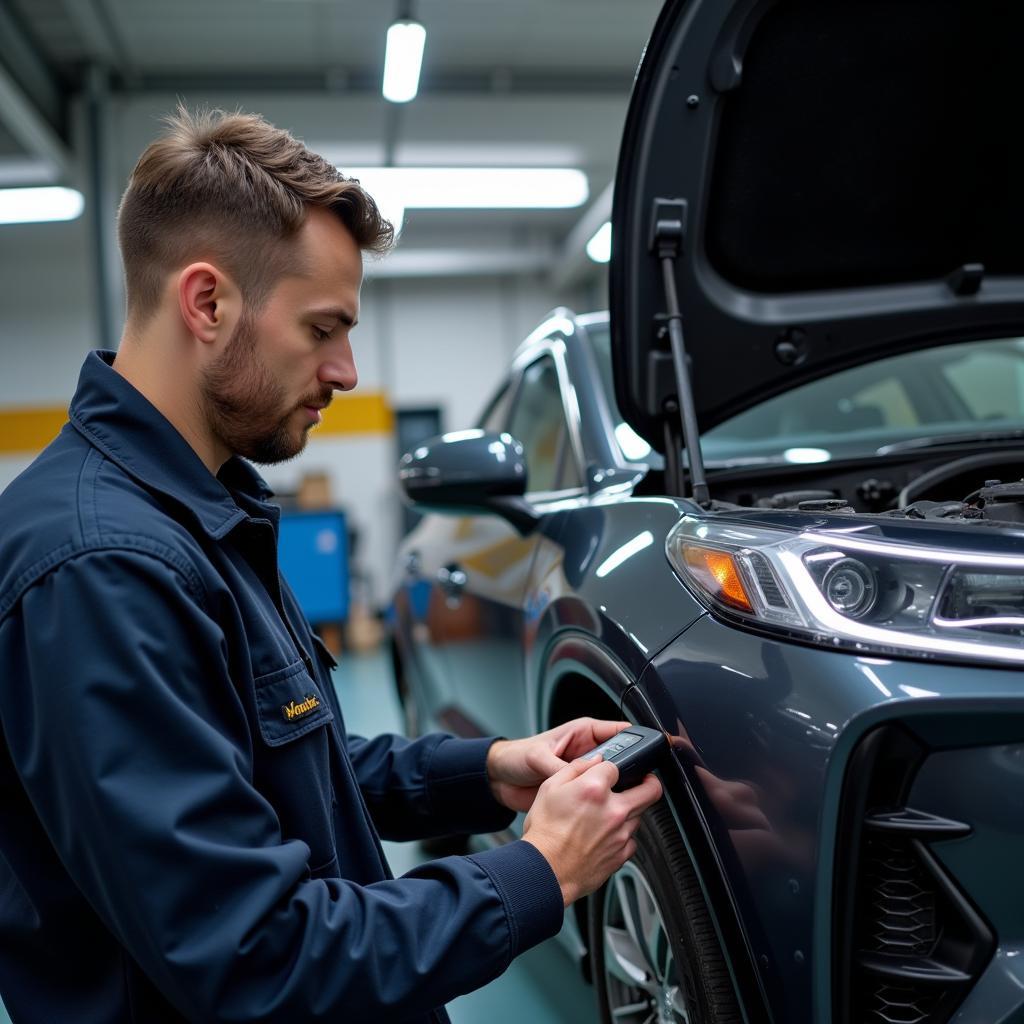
x=232 y=187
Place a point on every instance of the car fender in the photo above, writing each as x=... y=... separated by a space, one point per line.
x=578 y=655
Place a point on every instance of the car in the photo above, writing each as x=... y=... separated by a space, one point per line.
x=772 y=505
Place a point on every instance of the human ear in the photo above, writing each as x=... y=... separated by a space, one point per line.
x=203 y=300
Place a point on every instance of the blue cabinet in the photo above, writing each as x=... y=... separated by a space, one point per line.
x=313 y=555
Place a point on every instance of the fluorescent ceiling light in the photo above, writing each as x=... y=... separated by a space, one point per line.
x=34 y=205
x=806 y=456
x=628 y=550
x=475 y=188
x=599 y=248
x=390 y=205
x=402 y=61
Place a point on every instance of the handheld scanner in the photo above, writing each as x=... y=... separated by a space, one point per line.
x=634 y=751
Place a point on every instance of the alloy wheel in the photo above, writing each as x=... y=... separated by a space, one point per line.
x=642 y=977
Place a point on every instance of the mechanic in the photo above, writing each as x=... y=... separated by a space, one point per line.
x=189 y=832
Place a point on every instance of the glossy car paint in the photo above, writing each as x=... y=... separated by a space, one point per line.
x=782 y=720
x=769 y=726
x=766 y=726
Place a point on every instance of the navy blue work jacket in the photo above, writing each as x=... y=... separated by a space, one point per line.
x=187 y=832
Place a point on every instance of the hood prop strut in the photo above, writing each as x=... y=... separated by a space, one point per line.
x=668 y=226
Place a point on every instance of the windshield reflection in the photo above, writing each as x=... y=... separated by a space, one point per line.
x=970 y=389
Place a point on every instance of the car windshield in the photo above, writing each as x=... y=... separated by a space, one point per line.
x=952 y=391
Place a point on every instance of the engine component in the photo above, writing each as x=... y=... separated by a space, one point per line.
x=876 y=494
x=997 y=500
x=792 y=499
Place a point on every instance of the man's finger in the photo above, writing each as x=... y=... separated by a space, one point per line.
x=604 y=729
x=640 y=797
x=544 y=761
x=576 y=768
x=588 y=733
x=606 y=771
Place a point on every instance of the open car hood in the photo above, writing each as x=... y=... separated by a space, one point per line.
x=853 y=187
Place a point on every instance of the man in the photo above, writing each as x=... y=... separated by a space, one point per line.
x=188 y=832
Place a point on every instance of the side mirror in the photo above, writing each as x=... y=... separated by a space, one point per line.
x=469 y=471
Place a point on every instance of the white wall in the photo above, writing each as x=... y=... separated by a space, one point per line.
x=47 y=312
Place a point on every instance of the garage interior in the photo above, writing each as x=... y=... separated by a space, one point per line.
x=534 y=84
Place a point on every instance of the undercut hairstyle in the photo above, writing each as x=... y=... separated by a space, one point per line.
x=232 y=189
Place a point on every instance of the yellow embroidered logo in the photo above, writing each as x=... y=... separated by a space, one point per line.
x=293 y=710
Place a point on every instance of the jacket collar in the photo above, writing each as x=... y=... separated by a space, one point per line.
x=118 y=420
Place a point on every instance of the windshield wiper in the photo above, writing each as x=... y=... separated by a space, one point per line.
x=951 y=440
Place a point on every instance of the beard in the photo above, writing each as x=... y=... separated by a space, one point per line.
x=246 y=408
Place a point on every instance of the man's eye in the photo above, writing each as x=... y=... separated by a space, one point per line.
x=320 y=334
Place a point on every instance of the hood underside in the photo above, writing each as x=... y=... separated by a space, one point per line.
x=849 y=172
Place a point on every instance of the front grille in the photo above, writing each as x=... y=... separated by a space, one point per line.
x=901 y=915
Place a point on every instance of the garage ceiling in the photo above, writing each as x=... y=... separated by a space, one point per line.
x=519 y=82
x=582 y=43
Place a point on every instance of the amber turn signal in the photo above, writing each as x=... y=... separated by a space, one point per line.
x=718 y=574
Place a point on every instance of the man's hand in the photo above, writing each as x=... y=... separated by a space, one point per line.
x=583 y=829
x=516 y=768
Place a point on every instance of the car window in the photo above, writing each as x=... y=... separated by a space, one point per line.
x=943 y=390
x=847 y=403
x=538 y=421
x=990 y=381
x=495 y=415
x=633 y=447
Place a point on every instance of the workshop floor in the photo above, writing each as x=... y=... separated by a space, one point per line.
x=542 y=986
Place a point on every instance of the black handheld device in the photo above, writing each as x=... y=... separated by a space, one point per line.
x=634 y=751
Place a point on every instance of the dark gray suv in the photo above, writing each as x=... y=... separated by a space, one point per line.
x=772 y=504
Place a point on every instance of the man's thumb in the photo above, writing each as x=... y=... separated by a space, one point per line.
x=576 y=768
x=547 y=763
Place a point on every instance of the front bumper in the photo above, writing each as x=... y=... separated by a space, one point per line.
x=769 y=732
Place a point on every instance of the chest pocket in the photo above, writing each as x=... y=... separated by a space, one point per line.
x=289 y=704
x=293 y=769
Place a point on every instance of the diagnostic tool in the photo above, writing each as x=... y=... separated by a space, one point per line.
x=634 y=751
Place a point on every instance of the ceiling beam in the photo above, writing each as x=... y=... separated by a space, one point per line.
x=32 y=102
x=99 y=33
x=360 y=82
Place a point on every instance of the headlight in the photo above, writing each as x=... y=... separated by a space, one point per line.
x=856 y=591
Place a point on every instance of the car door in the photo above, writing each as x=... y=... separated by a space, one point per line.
x=427 y=603
x=488 y=574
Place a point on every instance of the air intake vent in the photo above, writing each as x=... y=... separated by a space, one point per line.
x=899 y=1004
x=766 y=580
x=908 y=943
x=900 y=917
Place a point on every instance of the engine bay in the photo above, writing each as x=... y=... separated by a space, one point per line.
x=978 y=487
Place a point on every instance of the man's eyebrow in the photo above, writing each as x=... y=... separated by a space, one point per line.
x=337 y=313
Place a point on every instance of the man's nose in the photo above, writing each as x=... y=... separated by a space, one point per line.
x=339 y=371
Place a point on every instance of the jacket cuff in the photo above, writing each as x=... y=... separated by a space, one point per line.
x=460 y=790
x=529 y=890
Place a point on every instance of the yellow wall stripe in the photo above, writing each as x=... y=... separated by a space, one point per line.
x=27 y=430
x=367 y=413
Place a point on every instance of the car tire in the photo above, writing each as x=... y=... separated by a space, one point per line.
x=683 y=977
